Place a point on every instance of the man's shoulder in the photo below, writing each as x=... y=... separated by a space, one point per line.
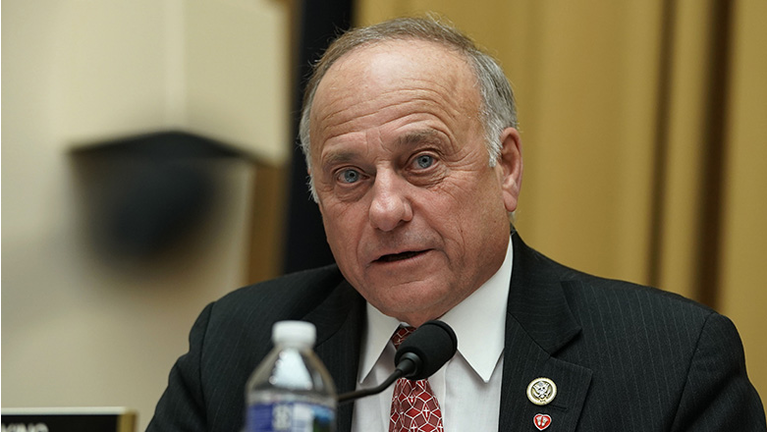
x=618 y=301
x=320 y=278
x=622 y=312
x=286 y=297
x=620 y=295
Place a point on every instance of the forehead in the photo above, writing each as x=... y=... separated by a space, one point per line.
x=415 y=55
x=374 y=79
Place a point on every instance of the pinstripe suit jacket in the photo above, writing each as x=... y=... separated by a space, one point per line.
x=624 y=357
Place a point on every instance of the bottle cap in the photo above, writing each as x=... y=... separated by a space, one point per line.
x=294 y=333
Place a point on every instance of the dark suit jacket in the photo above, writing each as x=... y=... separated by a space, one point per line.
x=624 y=357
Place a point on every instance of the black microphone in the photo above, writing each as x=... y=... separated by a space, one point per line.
x=420 y=355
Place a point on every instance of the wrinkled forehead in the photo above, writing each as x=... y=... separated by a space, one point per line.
x=384 y=71
x=387 y=63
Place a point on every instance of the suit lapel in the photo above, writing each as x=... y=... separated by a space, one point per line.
x=539 y=323
x=339 y=321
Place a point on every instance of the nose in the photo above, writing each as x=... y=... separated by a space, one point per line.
x=390 y=204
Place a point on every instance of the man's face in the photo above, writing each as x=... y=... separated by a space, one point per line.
x=415 y=216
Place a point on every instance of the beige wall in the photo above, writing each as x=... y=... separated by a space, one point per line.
x=80 y=328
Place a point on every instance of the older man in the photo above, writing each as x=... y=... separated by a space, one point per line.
x=415 y=163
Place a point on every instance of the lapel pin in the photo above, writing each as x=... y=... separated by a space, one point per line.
x=541 y=391
x=542 y=421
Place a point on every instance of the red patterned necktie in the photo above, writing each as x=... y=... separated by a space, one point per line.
x=414 y=405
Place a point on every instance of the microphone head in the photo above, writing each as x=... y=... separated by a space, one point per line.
x=434 y=343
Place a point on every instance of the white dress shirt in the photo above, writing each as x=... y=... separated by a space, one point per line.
x=468 y=387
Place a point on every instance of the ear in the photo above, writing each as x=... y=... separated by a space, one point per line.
x=510 y=165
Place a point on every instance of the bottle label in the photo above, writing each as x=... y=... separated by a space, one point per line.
x=290 y=417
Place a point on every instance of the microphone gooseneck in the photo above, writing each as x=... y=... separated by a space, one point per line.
x=425 y=351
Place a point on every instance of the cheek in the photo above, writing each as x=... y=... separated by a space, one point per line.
x=463 y=199
x=469 y=209
x=343 y=227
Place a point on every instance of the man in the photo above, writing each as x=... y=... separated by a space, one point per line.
x=415 y=162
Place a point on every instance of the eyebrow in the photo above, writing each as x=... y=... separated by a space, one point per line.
x=336 y=158
x=420 y=136
x=411 y=138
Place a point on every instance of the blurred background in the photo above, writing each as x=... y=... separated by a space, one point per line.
x=149 y=164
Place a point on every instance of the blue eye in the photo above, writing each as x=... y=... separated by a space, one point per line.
x=349 y=176
x=425 y=161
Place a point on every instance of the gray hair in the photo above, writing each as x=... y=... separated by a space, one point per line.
x=498 y=103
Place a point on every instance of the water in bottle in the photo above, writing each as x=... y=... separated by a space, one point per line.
x=291 y=390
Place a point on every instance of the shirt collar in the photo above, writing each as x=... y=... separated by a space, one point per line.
x=480 y=335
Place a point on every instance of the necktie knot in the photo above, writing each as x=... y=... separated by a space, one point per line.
x=401 y=334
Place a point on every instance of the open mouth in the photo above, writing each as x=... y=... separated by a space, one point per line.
x=400 y=256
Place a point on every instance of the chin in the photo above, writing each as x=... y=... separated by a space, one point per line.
x=413 y=302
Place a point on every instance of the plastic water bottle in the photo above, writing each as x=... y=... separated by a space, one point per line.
x=291 y=390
